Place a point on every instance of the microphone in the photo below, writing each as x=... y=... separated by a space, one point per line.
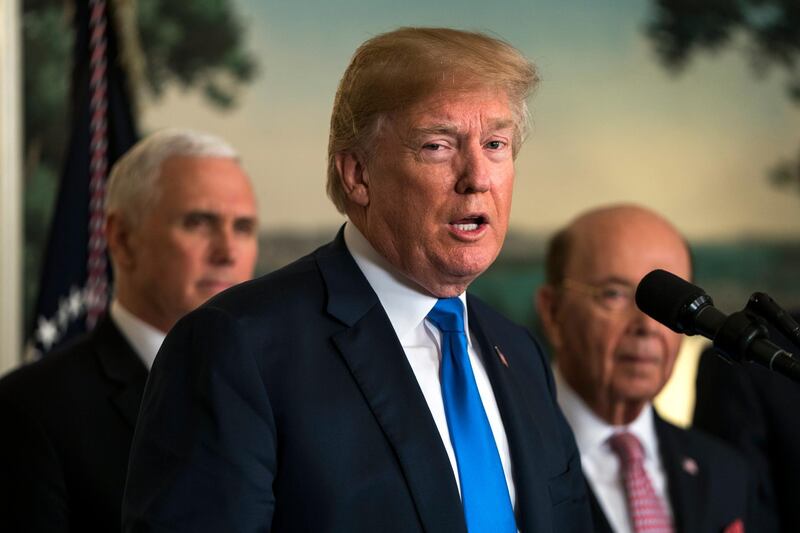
x=686 y=308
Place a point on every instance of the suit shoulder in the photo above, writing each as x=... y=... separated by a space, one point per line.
x=295 y=283
x=50 y=379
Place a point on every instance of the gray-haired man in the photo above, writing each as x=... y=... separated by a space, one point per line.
x=181 y=226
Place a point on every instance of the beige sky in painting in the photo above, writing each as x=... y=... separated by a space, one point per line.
x=610 y=124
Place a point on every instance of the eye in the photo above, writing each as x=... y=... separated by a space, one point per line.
x=433 y=147
x=615 y=297
x=612 y=293
x=195 y=220
x=245 y=226
x=495 y=145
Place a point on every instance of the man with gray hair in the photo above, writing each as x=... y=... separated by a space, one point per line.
x=361 y=389
x=180 y=227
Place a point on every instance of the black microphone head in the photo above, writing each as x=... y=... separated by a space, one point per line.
x=671 y=300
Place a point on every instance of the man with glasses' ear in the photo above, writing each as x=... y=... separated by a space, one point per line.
x=611 y=361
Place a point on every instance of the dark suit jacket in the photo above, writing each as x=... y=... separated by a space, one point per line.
x=288 y=404
x=67 y=428
x=758 y=412
x=709 y=485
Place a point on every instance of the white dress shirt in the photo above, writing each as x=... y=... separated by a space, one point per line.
x=407 y=306
x=144 y=338
x=601 y=466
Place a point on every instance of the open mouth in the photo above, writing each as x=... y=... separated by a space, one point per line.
x=469 y=223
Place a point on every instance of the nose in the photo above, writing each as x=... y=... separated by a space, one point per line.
x=642 y=325
x=474 y=174
x=223 y=247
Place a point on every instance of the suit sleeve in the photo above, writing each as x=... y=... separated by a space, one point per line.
x=32 y=488
x=204 y=453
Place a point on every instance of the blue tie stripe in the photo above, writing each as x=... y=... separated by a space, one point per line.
x=484 y=492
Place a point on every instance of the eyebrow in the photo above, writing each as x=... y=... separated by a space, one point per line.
x=216 y=215
x=616 y=280
x=448 y=128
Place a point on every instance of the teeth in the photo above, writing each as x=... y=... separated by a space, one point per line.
x=466 y=227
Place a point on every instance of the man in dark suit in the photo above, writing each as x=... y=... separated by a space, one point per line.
x=181 y=226
x=360 y=388
x=644 y=474
x=755 y=410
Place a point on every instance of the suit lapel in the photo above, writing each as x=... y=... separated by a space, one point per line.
x=524 y=438
x=122 y=368
x=371 y=350
x=687 y=481
x=599 y=518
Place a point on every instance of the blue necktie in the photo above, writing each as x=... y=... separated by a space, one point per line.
x=484 y=493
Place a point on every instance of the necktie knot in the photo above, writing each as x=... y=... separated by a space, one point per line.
x=627 y=447
x=448 y=315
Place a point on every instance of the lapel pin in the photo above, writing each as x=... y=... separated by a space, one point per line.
x=690 y=466
x=501 y=356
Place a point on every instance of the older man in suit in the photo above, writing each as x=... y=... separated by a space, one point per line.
x=644 y=473
x=360 y=388
x=181 y=226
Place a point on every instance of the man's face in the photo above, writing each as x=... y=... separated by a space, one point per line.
x=607 y=350
x=197 y=239
x=439 y=185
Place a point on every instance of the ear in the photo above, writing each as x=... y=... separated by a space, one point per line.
x=546 y=302
x=118 y=239
x=354 y=177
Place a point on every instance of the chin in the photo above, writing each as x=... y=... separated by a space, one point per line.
x=640 y=390
x=469 y=262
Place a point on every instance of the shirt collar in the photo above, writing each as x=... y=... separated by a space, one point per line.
x=144 y=338
x=405 y=303
x=592 y=432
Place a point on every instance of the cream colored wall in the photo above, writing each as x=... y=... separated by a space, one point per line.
x=676 y=401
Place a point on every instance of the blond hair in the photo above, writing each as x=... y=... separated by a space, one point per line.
x=397 y=69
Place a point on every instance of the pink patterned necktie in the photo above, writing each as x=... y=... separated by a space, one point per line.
x=645 y=507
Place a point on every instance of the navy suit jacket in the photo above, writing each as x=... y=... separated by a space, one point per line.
x=67 y=428
x=708 y=484
x=288 y=404
x=756 y=411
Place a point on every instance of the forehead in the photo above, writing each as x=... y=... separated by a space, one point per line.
x=458 y=110
x=204 y=182
x=625 y=247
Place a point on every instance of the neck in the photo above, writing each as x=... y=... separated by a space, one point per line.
x=384 y=254
x=619 y=413
x=141 y=310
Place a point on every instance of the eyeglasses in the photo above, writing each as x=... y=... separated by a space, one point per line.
x=613 y=296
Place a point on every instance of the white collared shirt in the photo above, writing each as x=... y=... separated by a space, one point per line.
x=143 y=338
x=407 y=306
x=601 y=465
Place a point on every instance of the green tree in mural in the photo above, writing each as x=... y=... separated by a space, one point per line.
x=767 y=30
x=195 y=45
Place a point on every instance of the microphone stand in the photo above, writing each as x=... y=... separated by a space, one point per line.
x=762 y=306
x=742 y=336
